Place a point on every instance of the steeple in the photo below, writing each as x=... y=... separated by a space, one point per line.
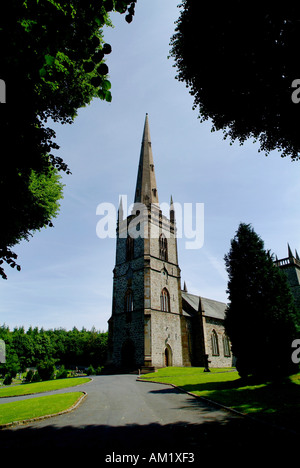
x=146 y=189
x=172 y=212
x=147 y=326
x=120 y=210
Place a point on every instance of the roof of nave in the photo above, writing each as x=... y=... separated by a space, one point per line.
x=210 y=307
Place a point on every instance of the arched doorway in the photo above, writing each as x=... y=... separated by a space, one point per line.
x=168 y=356
x=128 y=351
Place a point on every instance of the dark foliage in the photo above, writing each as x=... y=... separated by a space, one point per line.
x=52 y=62
x=46 y=369
x=44 y=348
x=261 y=319
x=239 y=61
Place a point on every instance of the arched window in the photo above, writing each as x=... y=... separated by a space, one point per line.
x=214 y=343
x=165 y=300
x=129 y=248
x=226 y=346
x=128 y=304
x=163 y=247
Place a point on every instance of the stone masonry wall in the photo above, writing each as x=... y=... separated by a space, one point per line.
x=128 y=275
x=133 y=331
x=166 y=331
x=165 y=326
x=150 y=329
x=221 y=360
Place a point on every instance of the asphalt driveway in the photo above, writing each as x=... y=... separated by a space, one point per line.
x=123 y=417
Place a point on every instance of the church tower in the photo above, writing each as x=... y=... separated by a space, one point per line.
x=147 y=328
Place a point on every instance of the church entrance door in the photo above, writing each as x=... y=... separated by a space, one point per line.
x=128 y=360
x=168 y=356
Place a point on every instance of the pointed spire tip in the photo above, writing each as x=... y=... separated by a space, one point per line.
x=146 y=188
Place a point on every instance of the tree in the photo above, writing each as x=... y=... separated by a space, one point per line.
x=96 y=347
x=23 y=346
x=12 y=364
x=240 y=64
x=261 y=319
x=69 y=348
x=52 y=63
x=46 y=369
x=38 y=199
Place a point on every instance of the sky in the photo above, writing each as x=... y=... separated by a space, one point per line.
x=66 y=271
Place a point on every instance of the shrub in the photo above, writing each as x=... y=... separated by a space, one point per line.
x=7 y=379
x=36 y=377
x=29 y=376
x=62 y=373
x=46 y=369
x=91 y=370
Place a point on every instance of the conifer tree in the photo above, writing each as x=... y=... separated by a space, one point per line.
x=261 y=318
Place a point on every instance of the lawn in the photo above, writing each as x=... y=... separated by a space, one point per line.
x=277 y=403
x=37 y=407
x=38 y=387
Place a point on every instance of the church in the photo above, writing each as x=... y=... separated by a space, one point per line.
x=154 y=321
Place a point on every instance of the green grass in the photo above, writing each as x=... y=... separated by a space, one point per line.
x=37 y=407
x=277 y=403
x=38 y=387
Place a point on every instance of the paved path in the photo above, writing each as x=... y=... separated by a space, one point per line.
x=123 y=416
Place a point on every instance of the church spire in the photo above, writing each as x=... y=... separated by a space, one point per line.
x=172 y=212
x=146 y=189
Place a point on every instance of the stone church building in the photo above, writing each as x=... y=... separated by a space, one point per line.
x=154 y=322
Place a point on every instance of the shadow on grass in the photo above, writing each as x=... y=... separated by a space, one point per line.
x=274 y=402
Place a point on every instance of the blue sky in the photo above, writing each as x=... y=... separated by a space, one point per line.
x=66 y=276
